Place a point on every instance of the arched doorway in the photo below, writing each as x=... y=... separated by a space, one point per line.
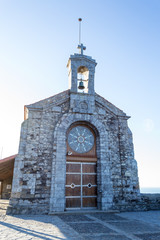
x=58 y=181
x=81 y=168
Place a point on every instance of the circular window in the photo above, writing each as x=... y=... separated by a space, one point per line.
x=80 y=139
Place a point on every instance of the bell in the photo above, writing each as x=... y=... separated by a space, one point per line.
x=81 y=85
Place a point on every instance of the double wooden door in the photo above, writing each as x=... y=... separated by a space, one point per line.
x=81 y=168
x=81 y=185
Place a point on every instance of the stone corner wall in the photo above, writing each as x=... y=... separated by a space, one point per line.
x=32 y=170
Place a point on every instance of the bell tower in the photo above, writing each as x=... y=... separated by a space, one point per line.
x=81 y=71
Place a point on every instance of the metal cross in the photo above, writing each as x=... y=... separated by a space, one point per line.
x=81 y=48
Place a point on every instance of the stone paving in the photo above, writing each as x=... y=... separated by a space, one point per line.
x=89 y=226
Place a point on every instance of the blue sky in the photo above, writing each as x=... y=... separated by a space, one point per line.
x=36 y=40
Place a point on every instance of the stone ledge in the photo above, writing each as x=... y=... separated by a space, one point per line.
x=25 y=210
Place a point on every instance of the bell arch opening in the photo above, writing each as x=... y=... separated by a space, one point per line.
x=82 y=79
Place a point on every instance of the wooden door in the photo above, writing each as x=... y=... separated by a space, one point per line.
x=81 y=168
x=81 y=185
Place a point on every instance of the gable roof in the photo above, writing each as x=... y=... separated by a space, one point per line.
x=64 y=96
x=109 y=106
x=55 y=100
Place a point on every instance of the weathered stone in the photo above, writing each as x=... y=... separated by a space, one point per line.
x=40 y=167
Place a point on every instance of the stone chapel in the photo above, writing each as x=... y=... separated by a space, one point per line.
x=75 y=152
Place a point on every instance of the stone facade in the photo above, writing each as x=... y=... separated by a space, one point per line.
x=40 y=167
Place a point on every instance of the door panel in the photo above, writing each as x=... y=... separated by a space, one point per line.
x=76 y=168
x=89 y=168
x=73 y=191
x=73 y=202
x=89 y=191
x=89 y=179
x=81 y=185
x=90 y=202
x=73 y=178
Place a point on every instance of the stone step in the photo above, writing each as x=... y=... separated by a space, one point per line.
x=83 y=212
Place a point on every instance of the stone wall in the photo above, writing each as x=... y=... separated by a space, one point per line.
x=121 y=152
x=150 y=201
x=39 y=173
x=32 y=171
x=145 y=202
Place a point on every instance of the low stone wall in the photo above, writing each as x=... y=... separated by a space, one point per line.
x=27 y=210
x=151 y=201
x=30 y=206
x=145 y=202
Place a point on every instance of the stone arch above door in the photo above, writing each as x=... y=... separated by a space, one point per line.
x=105 y=190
